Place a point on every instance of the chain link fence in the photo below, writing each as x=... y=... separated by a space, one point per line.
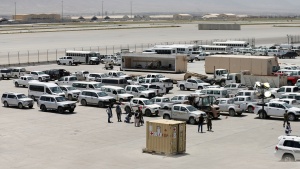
x=32 y=57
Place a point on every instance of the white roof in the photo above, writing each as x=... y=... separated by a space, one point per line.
x=112 y=87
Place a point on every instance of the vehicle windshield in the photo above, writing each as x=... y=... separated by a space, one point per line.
x=287 y=105
x=166 y=100
x=120 y=74
x=148 y=102
x=104 y=75
x=199 y=81
x=206 y=101
x=223 y=72
x=21 y=96
x=73 y=79
x=98 y=85
x=191 y=108
x=102 y=94
x=56 y=89
x=159 y=76
x=121 y=91
x=142 y=88
x=71 y=88
x=85 y=72
x=40 y=73
x=60 y=99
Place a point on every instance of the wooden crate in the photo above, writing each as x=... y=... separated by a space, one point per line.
x=165 y=137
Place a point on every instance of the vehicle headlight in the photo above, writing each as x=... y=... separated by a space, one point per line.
x=66 y=105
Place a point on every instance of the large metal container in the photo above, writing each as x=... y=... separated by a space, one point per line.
x=165 y=137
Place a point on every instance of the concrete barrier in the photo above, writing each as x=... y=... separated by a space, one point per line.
x=219 y=27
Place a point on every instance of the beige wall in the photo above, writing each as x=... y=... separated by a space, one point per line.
x=37 y=17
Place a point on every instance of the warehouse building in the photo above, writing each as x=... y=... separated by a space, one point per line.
x=37 y=18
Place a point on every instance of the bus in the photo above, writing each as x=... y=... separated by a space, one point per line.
x=233 y=44
x=180 y=48
x=87 y=57
x=214 y=49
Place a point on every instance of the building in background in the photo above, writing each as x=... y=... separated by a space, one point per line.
x=37 y=18
x=182 y=17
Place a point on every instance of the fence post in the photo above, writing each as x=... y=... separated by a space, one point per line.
x=56 y=55
x=47 y=55
x=106 y=50
x=98 y=48
x=113 y=49
x=19 y=57
x=38 y=56
x=28 y=57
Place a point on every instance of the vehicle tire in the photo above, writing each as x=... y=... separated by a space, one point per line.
x=222 y=83
x=83 y=102
x=20 y=105
x=250 y=109
x=17 y=84
x=60 y=110
x=148 y=113
x=262 y=115
x=181 y=87
x=142 y=96
x=71 y=110
x=76 y=64
x=127 y=110
x=24 y=85
x=121 y=100
x=166 y=108
x=192 y=120
x=188 y=89
x=70 y=97
x=192 y=60
x=58 y=62
x=166 y=116
x=31 y=106
x=288 y=158
x=2 y=78
x=232 y=112
x=40 y=79
x=5 y=104
x=200 y=88
x=291 y=117
x=43 y=108
x=32 y=97
x=90 y=62
x=100 y=104
x=70 y=63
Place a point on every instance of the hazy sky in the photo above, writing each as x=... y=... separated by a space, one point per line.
x=139 y=6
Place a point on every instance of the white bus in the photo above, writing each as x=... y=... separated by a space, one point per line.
x=213 y=49
x=180 y=48
x=233 y=44
x=87 y=57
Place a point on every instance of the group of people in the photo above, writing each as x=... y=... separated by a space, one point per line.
x=138 y=116
x=208 y=123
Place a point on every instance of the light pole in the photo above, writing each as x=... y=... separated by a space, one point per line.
x=15 y=11
x=62 y=11
x=102 y=9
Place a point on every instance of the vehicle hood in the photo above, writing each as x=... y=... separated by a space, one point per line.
x=204 y=84
x=294 y=109
x=125 y=95
x=44 y=75
x=74 y=91
x=153 y=106
x=26 y=99
x=107 y=97
x=148 y=91
x=198 y=113
x=68 y=102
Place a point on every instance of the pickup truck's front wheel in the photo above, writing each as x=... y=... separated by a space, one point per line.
x=181 y=87
x=166 y=116
x=231 y=112
x=60 y=110
x=192 y=120
x=291 y=117
x=17 y=84
x=70 y=63
x=148 y=113
x=250 y=109
x=58 y=62
x=101 y=104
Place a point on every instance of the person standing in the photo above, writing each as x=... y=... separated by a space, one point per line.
x=119 y=112
x=209 y=123
x=285 y=118
x=288 y=129
x=200 y=123
x=141 y=119
x=137 y=119
x=109 y=114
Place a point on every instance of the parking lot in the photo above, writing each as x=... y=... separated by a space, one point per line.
x=33 y=139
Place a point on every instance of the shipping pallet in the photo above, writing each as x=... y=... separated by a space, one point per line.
x=160 y=153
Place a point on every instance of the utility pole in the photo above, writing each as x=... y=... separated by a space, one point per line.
x=131 y=9
x=102 y=9
x=62 y=11
x=15 y=11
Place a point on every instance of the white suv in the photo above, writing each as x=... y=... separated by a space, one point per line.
x=95 y=97
x=16 y=99
x=54 y=102
x=288 y=148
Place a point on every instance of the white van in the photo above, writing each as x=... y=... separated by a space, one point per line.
x=36 y=89
x=82 y=85
x=18 y=71
x=217 y=92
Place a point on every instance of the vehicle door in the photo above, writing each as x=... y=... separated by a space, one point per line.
x=87 y=96
x=222 y=105
x=194 y=84
x=94 y=98
x=184 y=113
x=34 y=75
x=158 y=101
x=281 y=91
x=65 y=90
x=175 y=114
x=134 y=91
x=174 y=99
x=272 y=109
x=12 y=99
x=280 y=110
x=52 y=103
x=189 y=84
x=243 y=102
x=134 y=104
x=181 y=99
x=128 y=90
x=296 y=149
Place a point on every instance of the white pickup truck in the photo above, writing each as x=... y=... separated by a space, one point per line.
x=39 y=75
x=167 y=81
x=277 y=108
x=228 y=105
x=192 y=84
x=67 y=60
x=246 y=103
x=66 y=80
x=183 y=112
x=139 y=91
x=163 y=102
x=23 y=81
x=148 y=107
